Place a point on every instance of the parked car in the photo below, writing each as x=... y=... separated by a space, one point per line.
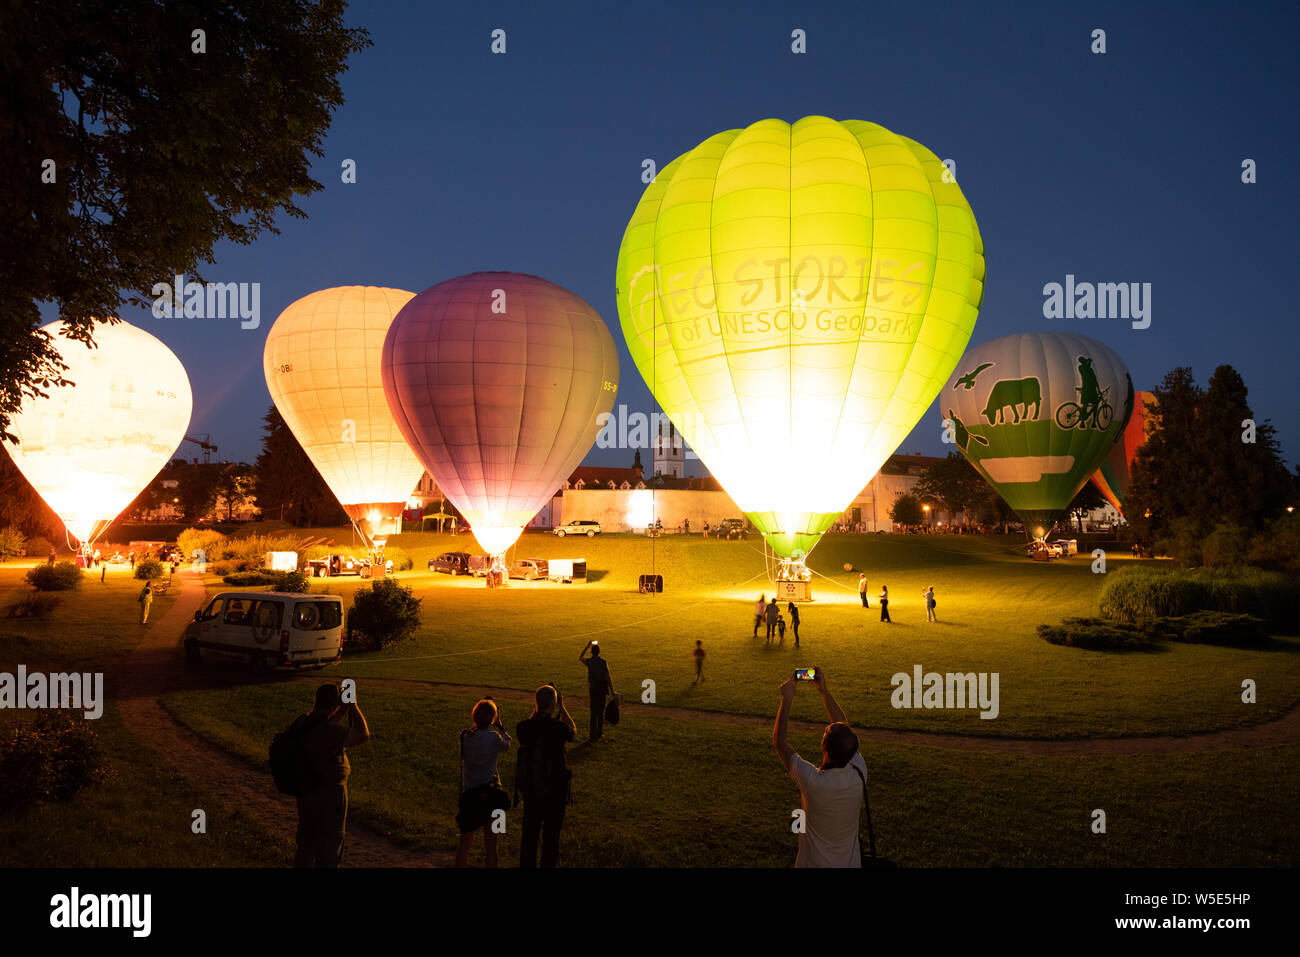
x=529 y=569
x=578 y=527
x=451 y=563
x=732 y=528
x=267 y=630
x=480 y=565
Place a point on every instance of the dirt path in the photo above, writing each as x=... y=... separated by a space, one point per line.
x=157 y=668
x=1284 y=730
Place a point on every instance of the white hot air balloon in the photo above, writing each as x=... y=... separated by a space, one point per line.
x=91 y=447
x=322 y=365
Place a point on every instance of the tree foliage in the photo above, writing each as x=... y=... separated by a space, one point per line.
x=906 y=510
x=288 y=486
x=952 y=485
x=1197 y=470
x=156 y=150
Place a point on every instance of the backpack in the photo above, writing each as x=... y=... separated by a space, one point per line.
x=291 y=764
x=538 y=776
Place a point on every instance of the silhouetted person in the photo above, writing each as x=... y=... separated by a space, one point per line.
x=698 y=655
x=323 y=807
x=760 y=610
x=794 y=621
x=599 y=684
x=884 y=604
x=771 y=614
x=542 y=776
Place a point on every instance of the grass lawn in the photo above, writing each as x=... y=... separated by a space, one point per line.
x=990 y=599
x=662 y=792
x=141 y=816
x=676 y=791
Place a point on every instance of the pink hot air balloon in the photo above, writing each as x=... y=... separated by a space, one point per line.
x=496 y=380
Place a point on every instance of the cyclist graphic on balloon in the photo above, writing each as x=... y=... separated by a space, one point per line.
x=1092 y=410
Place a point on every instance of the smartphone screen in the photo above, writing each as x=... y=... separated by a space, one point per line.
x=805 y=674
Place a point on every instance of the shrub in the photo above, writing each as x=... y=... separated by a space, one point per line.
x=48 y=759
x=1225 y=547
x=13 y=543
x=384 y=615
x=1212 y=628
x=402 y=562
x=33 y=606
x=148 y=568
x=221 y=568
x=1278 y=547
x=38 y=547
x=274 y=581
x=60 y=576
x=1097 y=634
x=1141 y=593
x=1182 y=542
x=207 y=540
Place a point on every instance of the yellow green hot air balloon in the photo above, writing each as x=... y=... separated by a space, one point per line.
x=795 y=295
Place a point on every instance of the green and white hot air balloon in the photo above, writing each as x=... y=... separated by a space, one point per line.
x=1036 y=414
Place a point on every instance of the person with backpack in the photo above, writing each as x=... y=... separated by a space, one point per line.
x=832 y=794
x=542 y=777
x=309 y=760
x=481 y=793
x=599 y=684
x=928 y=595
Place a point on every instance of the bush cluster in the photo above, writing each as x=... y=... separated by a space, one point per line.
x=1199 y=627
x=13 y=543
x=60 y=576
x=48 y=758
x=33 y=606
x=1141 y=593
x=1097 y=634
x=274 y=581
x=382 y=616
x=148 y=568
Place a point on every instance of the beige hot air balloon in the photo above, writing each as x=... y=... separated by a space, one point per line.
x=90 y=448
x=322 y=368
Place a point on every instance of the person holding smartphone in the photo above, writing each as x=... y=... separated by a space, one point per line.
x=542 y=777
x=599 y=684
x=832 y=794
x=481 y=793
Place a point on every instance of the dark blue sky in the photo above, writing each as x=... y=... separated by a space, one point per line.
x=1117 y=167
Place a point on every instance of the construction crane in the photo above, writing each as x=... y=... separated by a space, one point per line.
x=205 y=444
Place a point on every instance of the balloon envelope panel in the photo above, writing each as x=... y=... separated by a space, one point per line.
x=322 y=367
x=89 y=449
x=1114 y=478
x=794 y=295
x=497 y=381
x=1036 y=413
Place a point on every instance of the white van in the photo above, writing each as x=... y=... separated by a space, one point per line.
x=267 y=629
